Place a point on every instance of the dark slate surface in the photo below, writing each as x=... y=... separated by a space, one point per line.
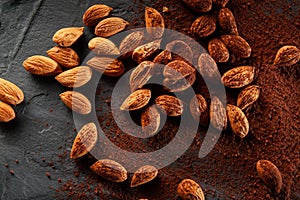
x=43 y=123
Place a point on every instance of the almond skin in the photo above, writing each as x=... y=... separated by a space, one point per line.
x=76 y=102
x=146 y=51
x=110 y=170
x=270 y=175
x=137 y=100
x=103 y=46
x=76 y=77
x=66 y=57
x=110 y=26
x=7 y=113
x=131 y=42
x=218 y=117
x=190 y=190
x=143 y=175
x=239 y=77
x=106 y=65
x=204 y=26
x=42 y=66
x=150 y=121
x=227 y=21
x=218 y=51
x=199 y=109
x=287 y=56
x=178 y=69
x=84 y=141
x=208 y=67
x=95 y=13
x=237 y=45
x=248 y=96
x=10 y=93
x=238 y=121
x=141 y=75
x=154 y=23
x=171 y=105
x=66 y=37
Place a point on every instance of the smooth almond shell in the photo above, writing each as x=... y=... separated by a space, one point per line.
x=76 y=77
x=42 y=66
x=66 y=37
x=84 y=141
x=76 y=101
x=10 y=93
x=7 y=113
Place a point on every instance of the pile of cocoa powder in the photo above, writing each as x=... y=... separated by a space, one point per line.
x=228 y=172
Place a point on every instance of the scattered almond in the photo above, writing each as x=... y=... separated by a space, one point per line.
x=106 y=65
x=199 y=109
x=143 y=175
x=238 y=121
x=66 y=37
x=84 y=141
x=141 y=75
x=76 y=102
x=190 y=190
x=237 y=45
x=178 y=69
x=154 y=23
x=287 y=56
x=227 y=21
x=218 y=51
x=238 y=77
x=103 y=46
x=204 y=26
x=95 y=13
x=248 y=96
x=208 y=67
x=75 y=77
x=137 y=100
x=218 y=117
x=131 y=42
x=41 y=65
x=146 y=51
x=150 y=121
x=180 y=50
x=110 y=26
x=66 y=57
x=10 y=93
x=171 y=105
x=7 y=113
x=199 y=5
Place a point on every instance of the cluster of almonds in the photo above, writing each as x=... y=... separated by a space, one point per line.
x=178 y=76
x=10 y=94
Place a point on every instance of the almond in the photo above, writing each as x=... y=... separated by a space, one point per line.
x=137 y=100
x=141 y=75
x=41 y=65
x=154 y=23
x=162 y=59
x=287 y=56
x=66 y=37
x=66 y=57
x=238 y=77
x=199 y=109
x=270 y=175
x=84 y=141
x=131 y=42
x=6 y=112
x=76 y=102
x=218 y=51
x=150 y=121
x=178 y=69
x=143 y=175
x=75 y=77
x=237 y=45
x=171 y=105
x=106 y=65
x=179 y=85
x=110 y=26
x=238 y=121
x=110 y=170
x=227 y=21
x=180 y=50
x=199 y=5
x=190 y=190
x=10 y=93
x=208 y=67
x=204 y=26
x=103 y=46
x=248 y=96
x=95 y=13
x=146 y=51
x=218 y=117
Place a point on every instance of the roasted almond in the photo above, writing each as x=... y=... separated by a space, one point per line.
x=162 y=59
x=131 y=42
x=84 y=141
x=208 y=67
x=106 y=65
x=248 y=96
x=199 y=109
x=178 y=69
x=220 y=3
x=204 y=26
x=75 y=77
x=103 y=46
x=238 y=77
x=179 y=85
x=110 y=170
x=270 y=175
x=218 y=51
x=218 y=117
x=141 y=75
x=66 y=57
x=66 y=37
x=10 y=93
x=227 y=21
x=154 y=23
x=41 y=65
x=180 y=50
x=190 y=190
x=199 y=5
x=76 y=102
x=110 y=26
x=143 y=175
x=146 y=51
x=237 y=45
x=238 y=121
x=150 y=121
x=171 y=105
x=95 y=13
x=287 y=56
x=7 y=113
x=137 y=100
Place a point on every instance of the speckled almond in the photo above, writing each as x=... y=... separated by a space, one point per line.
x=137 y=100
x=238 y=121
x=190 y=190
x=154 y=23
x=239 y=77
